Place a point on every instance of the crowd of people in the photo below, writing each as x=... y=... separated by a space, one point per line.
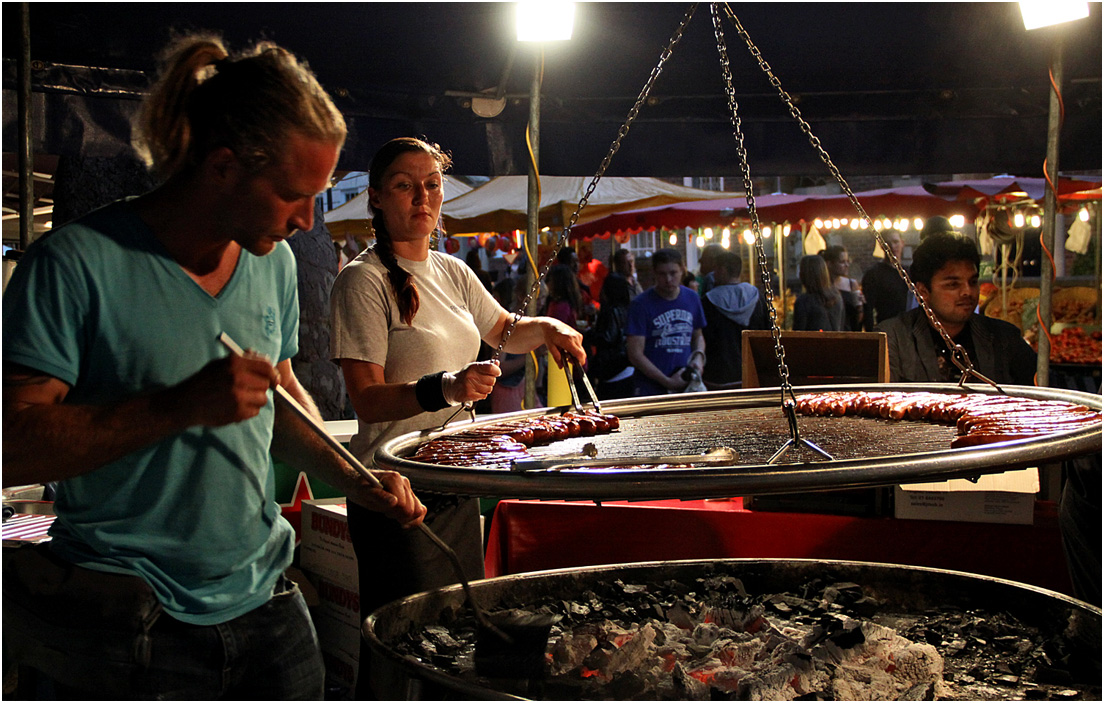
x=165 y=574
x=684 y=331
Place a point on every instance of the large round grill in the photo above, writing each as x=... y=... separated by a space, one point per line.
x=865 y=451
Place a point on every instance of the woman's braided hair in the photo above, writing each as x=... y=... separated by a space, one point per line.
x=402 y=283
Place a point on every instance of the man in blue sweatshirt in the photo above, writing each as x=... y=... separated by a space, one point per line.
x=730 y=308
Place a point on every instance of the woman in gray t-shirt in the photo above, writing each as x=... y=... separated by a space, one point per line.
x=407 y=323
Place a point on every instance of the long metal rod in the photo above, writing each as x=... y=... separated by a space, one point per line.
x=1050 y=215
x=320 y=430
x=26 y=153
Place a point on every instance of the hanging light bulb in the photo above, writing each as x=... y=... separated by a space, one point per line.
x=835 y=223
x=699 y=241
x=708 y=233
x=1018 y=219
x=878 y=227
x=818 y=223
x=673 y=239
x=749 y=237
x=854 y=223
x=901 y=225
x=1036 y=220
x=863 y=224
x=726 y=233
x=726 y=242
x=786 y=230
x=957 y=221
x=766 y=232
x=918 y=223
x=1083 y=215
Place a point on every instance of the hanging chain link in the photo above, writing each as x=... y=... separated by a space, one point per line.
x=958 y=354
x=566 y=232
x=749 y=193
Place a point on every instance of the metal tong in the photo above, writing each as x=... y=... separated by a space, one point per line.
x=320 y=430
x=717 y=455
x=571 y=368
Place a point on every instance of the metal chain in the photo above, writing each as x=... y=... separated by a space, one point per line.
x=958 y=354
x=749 y=193
x=624 y=130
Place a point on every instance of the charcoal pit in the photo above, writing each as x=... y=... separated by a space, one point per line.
x=767 y=629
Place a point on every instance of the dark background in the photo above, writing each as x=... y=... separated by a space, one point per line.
x=888 y=88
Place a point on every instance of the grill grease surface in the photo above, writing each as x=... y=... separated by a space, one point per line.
x=865 y=451
x=756 y=434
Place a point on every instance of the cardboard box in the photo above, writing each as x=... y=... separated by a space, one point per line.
x=327 y=559
x=341 y=676
x=1007 y=497
x=327 y=548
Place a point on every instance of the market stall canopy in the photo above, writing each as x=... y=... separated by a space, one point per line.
x=353 y=217
x=915 y=201
x=994 y=188
x=500 y=205
x=889 y=88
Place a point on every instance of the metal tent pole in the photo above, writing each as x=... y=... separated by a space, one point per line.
x=26 y=153
x=1050 y=214
x=533 y=224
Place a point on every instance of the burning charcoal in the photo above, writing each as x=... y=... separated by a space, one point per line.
x=630 y=654
x=780 y=606
x=698 y=652
x=442 y=639
x=1053 y=676
x=866 y=607
x=599 y=657
x=918 y=662
x=706 y=633
x=687 y=687
x=570 y=651
x=631 y=588
x=919 y=692
x=680 y=616
x=843 y=593
x=677 y=588
x=771 y=684
x=742 y=654
x=725 y=584
x=627 y=685
x=574 y=609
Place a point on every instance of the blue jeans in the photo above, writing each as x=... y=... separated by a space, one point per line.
x=269 y=653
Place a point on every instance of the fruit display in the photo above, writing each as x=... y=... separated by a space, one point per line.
x=1074 y=345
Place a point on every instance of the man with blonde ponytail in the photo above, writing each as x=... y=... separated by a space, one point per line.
x=164 y=578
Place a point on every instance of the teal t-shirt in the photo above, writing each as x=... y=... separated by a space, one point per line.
x=100 y=305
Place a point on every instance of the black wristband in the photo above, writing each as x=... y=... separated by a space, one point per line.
x=429 y=392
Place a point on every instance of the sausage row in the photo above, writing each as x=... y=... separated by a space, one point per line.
x=978 y=418
x=500 y=444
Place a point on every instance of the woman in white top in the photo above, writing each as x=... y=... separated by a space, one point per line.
x=407 y=323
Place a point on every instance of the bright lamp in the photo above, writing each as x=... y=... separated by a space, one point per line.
x=1038 y=14
x=544 y=20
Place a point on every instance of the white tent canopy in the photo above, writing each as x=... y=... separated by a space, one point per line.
x=352 y=217
x=501 y=204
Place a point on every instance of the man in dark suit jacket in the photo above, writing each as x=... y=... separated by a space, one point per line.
x=945 y=271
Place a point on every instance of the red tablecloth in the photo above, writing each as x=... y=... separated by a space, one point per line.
x=536 y=535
